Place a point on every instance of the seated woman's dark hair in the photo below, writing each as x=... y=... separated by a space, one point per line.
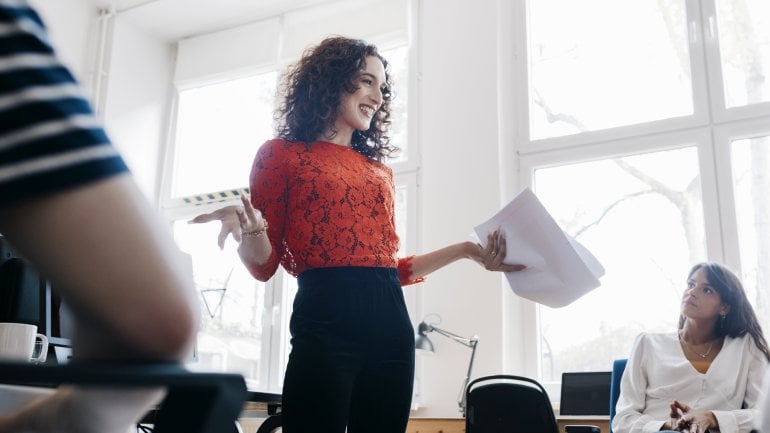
x=312 y=89
x=741 y=319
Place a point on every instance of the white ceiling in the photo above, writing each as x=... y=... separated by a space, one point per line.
x=177 y=19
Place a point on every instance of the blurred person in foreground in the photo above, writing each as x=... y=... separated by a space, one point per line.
x=69 y=205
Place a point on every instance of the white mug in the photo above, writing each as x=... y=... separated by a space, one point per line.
x=18 y=340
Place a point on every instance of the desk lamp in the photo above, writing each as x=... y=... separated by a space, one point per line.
x=421 y=342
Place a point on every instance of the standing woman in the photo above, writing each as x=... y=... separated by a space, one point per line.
x=322 y=207
x=705 y=376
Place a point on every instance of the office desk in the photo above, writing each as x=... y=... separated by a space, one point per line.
x=457 y=425
x=263 y=405
x=603 y=422
x=436 y=425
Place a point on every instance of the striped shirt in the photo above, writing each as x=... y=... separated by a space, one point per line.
x=50 y=139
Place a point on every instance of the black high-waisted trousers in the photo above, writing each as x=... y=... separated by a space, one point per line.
x=352 y=358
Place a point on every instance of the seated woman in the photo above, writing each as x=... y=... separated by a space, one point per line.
x=705 y=376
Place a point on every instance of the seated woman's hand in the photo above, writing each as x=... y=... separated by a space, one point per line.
x=685 y=419
x=492 y=255
x=703 y=420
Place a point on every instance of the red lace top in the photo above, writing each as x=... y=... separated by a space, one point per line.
x=326 y=205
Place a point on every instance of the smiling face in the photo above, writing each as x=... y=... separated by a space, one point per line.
x=701 y=300
x=358 y=108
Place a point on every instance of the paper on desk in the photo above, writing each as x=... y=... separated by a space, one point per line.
x=559 y=269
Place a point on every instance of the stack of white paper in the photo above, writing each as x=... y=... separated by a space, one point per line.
x=559 y=269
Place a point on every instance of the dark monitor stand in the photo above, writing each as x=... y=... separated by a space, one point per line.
x=57 y=321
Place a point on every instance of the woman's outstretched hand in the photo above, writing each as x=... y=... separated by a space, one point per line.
x=235 y=220
x=492 y=255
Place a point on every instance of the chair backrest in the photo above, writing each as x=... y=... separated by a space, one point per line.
x=508 y=404
x=618 y=366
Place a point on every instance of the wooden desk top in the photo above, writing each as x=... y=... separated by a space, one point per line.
x=436 y=425
x=261 y=404
x=457 y=425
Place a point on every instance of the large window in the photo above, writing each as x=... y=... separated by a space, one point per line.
x=583 y=79
x=751 y=185
x=219 y=127
x=646 y=137
x=642 y=217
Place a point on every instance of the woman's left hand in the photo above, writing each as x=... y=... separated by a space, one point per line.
x=492 y=255
x=703 y=420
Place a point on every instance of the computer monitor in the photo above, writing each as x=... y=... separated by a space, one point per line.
x=27 y=297
x=585 y=393
x=58 y=327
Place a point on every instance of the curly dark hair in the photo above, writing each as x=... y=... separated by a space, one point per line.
x=311 y=93
x=741 y=320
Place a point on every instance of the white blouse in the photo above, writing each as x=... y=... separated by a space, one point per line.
x=658 y=373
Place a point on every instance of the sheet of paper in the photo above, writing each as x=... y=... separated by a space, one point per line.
x=559 y=269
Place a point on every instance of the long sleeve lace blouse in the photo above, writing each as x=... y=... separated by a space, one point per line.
x=326 y=206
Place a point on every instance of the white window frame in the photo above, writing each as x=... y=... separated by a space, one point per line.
x=710 y=127
x=724 y=135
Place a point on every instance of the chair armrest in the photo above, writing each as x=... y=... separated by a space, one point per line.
x=195 y=402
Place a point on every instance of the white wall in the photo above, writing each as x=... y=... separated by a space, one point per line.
x=138 y=95
x=460 y=187
x=69 y=25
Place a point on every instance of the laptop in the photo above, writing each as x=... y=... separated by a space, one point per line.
x=585 y=393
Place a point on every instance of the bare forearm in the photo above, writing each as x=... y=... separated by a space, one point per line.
x=255 y=251
x=425 y=264
x=490 y=257
x=115 y=263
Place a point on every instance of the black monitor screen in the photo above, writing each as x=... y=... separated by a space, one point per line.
x=59 y=324
x=585 y=393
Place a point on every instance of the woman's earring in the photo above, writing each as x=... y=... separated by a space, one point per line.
x=722 y=321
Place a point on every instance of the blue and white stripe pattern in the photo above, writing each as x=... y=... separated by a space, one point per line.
x=50 y=139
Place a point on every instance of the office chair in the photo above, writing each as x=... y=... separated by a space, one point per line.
x=618 y=366
x=194 y=403
x=508 y=404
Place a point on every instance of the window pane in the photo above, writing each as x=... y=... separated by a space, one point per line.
x=219 y=129
x=744 y=42
x=751 y=177
x=400 y=204
x=627 y=64
x=629 y=212
x=232 y=303
x=399 y=70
